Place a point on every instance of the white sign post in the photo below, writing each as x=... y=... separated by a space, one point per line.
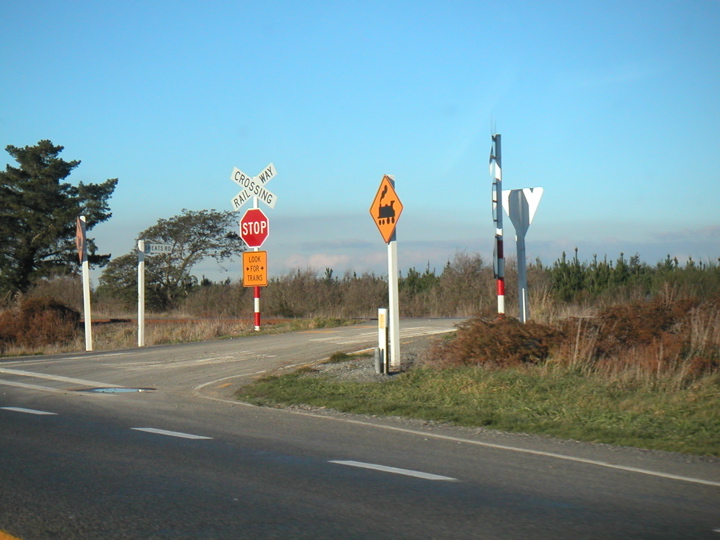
x=521 y=205
x=141 y=293
x=145 y=249
x=381 y=365
x=81 y=242
x=393 y=307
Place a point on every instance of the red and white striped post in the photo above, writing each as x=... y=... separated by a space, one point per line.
x=256 y=293
x=498 y=252
x=257 y=308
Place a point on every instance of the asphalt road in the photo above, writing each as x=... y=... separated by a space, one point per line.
x=183 y=460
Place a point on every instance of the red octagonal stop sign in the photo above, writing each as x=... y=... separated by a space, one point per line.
x=254 y=227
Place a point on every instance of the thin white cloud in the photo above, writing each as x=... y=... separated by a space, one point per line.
x=711 y=232
x=315 y=261
x=616 y=75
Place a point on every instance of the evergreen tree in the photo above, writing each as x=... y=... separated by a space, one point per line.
x=38 y=213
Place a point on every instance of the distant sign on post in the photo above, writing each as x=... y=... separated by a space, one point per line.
x=157 y=249
x=80 y=238
x=386 y=209
x=521 y=205
x=253 y=186
x=255 y=271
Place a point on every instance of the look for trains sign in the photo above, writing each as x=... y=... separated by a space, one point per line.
x=255 y=270
x=386 y=208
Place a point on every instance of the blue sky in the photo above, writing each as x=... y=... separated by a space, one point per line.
x=613 y=107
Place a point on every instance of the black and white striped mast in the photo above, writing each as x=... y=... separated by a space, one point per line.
x=498 y=253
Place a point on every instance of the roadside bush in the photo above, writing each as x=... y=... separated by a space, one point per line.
x=465 y=287
x=651 y=337
x=497 y=342
x=38 y=321
x=218 y=300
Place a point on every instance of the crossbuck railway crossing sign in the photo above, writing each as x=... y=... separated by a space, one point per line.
x=253 y=186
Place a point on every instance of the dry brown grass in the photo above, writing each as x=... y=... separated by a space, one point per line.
x=650 y=340
x=38 y=322
x=123 y=335
x=497 y=341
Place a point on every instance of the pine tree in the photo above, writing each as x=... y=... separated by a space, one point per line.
x=38 y=213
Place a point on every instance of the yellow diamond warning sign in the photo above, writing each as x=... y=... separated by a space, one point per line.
x=255 y=272
x=386 y=208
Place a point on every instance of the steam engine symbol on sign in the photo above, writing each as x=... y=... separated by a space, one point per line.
x=386 y=213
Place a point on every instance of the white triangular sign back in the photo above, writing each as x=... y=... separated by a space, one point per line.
x=521 y=206
x=533 y=196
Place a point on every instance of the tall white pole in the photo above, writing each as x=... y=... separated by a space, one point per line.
x=141 y=293
x=393 y=300
x=394 y=307
x=86 y=288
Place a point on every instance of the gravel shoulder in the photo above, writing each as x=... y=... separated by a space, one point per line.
x=413 y=352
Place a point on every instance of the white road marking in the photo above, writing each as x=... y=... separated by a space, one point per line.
x=170 y=433
x=395 y=470
x=28 y=411
x=32 y=386
x=472 y=442
x=368 y=336
x=58 y=378
x=521 y=450
x=170 y=364
x=25 y=360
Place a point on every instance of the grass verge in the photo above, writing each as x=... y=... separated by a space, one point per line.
x=557 y=402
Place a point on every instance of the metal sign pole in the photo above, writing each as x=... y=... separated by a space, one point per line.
x=523 y=299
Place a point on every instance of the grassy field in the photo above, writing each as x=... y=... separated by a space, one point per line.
x=554 y=401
